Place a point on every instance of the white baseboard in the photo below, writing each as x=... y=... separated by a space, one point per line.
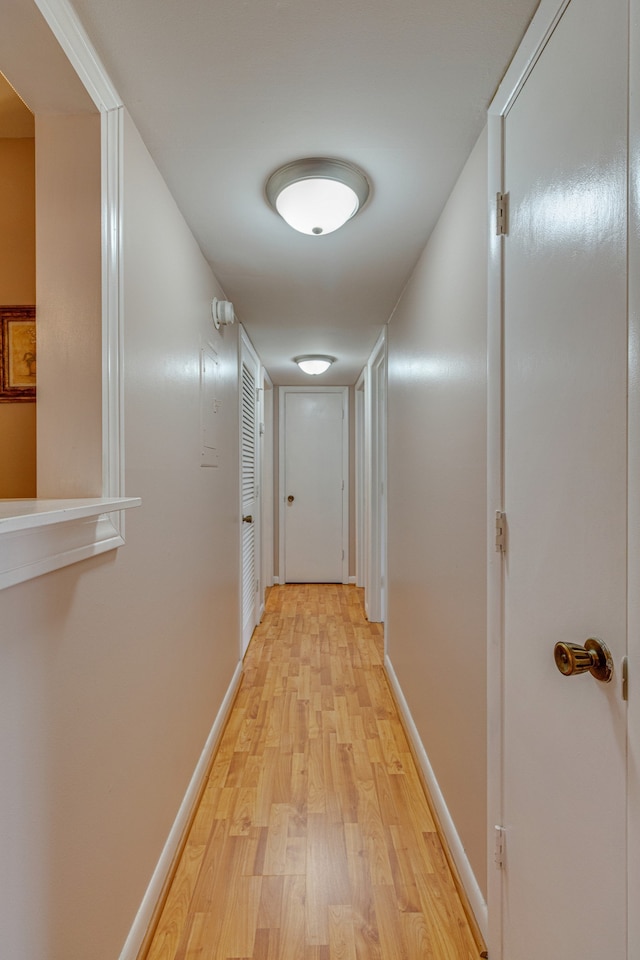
x=352 y=580
x=467 y=876
x=276 y=581
x=154 y=890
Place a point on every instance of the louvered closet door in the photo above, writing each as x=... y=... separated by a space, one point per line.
x=249 y=496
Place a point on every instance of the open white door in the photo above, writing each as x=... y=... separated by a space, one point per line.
x=565 y=356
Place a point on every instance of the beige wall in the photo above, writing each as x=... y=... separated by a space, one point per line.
x=112 y=671
x=17 y=286
x=69 y=287
x=437 y=503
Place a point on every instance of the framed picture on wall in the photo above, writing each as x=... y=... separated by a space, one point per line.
x=17 y=354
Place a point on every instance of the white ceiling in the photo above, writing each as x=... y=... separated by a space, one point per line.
x=224 y=91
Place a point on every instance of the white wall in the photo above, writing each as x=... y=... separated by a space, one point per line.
x=112 y=671
x=437 y=503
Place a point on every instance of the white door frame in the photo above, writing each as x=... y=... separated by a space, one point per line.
x=245 y=347
x=544 y=22
x=633 y=486
x=266 y=450
x=361 y=394
x=375 y=445
x=282 y=391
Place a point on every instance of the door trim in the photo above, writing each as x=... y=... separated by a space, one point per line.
x=533 y=43
x=633 y=487
x=376 y=484
x=266 y=451
x=360 y=399
x=344 y=391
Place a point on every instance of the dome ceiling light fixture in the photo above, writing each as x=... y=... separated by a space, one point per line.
x=317 y=195
x=314 y=363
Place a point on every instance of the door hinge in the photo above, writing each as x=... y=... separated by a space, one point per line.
x=625 y=678
x=501 y=532
x=502 y=214
x=498 y=847
x=257 y=585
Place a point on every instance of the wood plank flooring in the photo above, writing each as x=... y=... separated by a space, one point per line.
x=313 y=839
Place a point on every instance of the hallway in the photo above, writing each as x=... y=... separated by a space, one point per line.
x=313 y=839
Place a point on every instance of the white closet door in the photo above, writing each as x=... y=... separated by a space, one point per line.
x=315 y=485
x=565 y=492
x=249 y=490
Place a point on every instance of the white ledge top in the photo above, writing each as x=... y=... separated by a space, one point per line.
x=16 y=515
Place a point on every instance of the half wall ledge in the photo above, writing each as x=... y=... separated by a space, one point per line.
x=38 y=536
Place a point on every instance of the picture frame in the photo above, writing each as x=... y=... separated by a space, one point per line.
x=17 y=354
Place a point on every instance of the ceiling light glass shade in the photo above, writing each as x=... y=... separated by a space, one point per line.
x=317 y=196
x=314 y=364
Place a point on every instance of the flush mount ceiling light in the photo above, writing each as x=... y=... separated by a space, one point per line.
x=314 y=363
x=317 y=195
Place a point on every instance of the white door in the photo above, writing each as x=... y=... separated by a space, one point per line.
x=565 y=494
x=314 y=487
x=249 y=489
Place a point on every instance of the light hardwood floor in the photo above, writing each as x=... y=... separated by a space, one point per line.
x=313 y=839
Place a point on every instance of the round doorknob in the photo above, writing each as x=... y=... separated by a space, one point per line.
x=594 y=657
x=291 y=498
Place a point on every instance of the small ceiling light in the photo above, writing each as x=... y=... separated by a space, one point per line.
x=317 y=195
x=314 y=363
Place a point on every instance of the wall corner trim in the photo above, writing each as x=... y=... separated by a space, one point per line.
x=72 y=37
x=153 y=899
x=467 y=877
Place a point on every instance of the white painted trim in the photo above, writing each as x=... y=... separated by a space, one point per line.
x=352 y=581
x=72 y=37
x=267 y=496
x=154 y=890
x=38 y=536
x=17 y=516
x=495 y=655
x=633 y=490
x=360 y=400
x=533 y=43
x=454 y=843
x=375 y=453
x=112 y=300
x=282 y=391
x=70 y=534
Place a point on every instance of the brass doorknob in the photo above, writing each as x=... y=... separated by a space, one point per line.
x=291 y=498
x=247 y=519
x=595 y=657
